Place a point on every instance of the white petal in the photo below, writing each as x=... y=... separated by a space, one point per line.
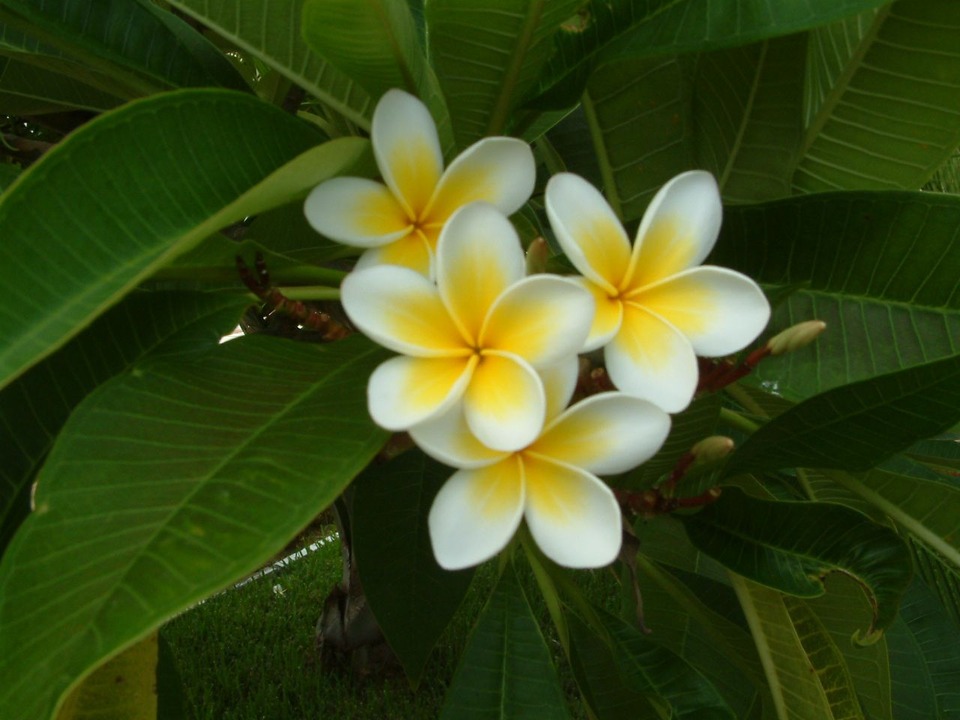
x=542 y=318
x=401 y=309
x=404 y=391
x=652 y=360
x=447 y=438
x=605 y=434
x=498 y=170
x=357 y=212
x=588 y=230
x=559 y=383
x=678 y=229
x=476 y=513
x=478 y=257
x=573 y=516
x=411 y=251
x=720 y=311
x=407 y=149
x=607 y=316
x=504 y=404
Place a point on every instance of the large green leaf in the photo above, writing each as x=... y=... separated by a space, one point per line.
x=747 y=111
x=36 y=405
x=504 y=43
x=505 y=670
x=270 y=29
x=924 y=651
x=638 y=111
x=166 y=484
x=790 y=546
x=373 y=42
x=117 y=199
x=882 y=104
x=623 y=677
x=411 y=596
x=801 y=681
x=608 y=30
x=880 y=268
x=857 y=426
x=141 y=47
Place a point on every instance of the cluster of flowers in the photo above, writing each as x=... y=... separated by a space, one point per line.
x=488 y=356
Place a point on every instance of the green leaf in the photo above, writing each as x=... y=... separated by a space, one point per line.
x=505 y=43
x=36 y=405
x=790 y=546
x=878 y=267
x=632 y=671
x=270 y=29
x=166 y=484
x=882 y=91
x=924 y=659
x=940 y=575
x=27 y=89
x=141 y=47
x=653 y=94
x=843 y=610
x=124 y=687
x=802 y=685
x=923 y=502
x=607 y=30
x=214 y=157
x=747 y=111
x=857 y=426
x=374 y=42
x=8 y=173
x=411 y=596
x=505 y=670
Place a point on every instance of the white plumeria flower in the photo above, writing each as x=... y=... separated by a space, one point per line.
x=656 y=310
x=572 y=515
x=399 y=223
x=474 y=338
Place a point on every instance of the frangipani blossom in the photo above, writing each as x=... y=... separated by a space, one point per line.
x=474 y=338
x=400 y=222
x=656 y=310
x=551 y=482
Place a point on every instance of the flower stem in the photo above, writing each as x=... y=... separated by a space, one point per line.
x=311 y=292
x=735 y=419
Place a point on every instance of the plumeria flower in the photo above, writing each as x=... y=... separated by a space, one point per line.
x=474 y=338
x=656 y=310
x=551 y=482
x=399 y=223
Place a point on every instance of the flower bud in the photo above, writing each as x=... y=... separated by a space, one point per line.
x=537 y=255
x=795 y=337
x=715 y=447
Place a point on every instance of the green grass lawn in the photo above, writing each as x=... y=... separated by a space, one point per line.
x=249 y=653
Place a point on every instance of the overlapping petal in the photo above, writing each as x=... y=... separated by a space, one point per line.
x=651 y=359
x=588 y=230
x=607 y=316
x=497 y=170
x=559 y=384
x=476 y=513
x=404 y=391
x=573 y=517
x=542 y=319
x=605 y=434
x=718 y=310
x=407 y=150
x=678 y=230
x=413 y=251
x=357 y=212
x=478 y=258
x=504 y=404
x=448 y=438
x=402 y=310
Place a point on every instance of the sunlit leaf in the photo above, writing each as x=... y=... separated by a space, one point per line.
x=214 y=157
x=166 y=484
x=411 y=596
x=790 y=546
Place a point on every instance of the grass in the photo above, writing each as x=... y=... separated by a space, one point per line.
x=250 y=653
